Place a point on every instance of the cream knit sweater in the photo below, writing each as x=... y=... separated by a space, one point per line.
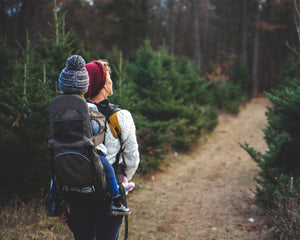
x=128 y=134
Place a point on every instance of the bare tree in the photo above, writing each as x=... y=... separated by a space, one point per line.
x=196 y=33
x=297 y=24
x=255 y=52
x=244 y=29
x=171 y=25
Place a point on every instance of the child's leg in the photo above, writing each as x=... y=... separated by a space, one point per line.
x=116 y=207
x=111 y=180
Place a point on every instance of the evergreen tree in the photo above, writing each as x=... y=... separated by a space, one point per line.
x=290 y=76
x=56 y=50
x=24 y=113
x=224 y=95
x=7 y=63
x=280 y=163
x=123 y=85
x=158 y=84
x=240 y=77
x=24 y=124
x=171 y=103
x=197 y=111
x=155 y=103
x=278 y=183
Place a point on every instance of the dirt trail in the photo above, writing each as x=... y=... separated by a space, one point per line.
x=207 y=194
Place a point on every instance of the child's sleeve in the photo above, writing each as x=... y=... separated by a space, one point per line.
x=92 y=106
x=94 y=123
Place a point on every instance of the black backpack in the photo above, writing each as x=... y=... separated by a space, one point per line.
x=77 y=171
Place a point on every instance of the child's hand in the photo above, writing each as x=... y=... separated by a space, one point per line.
x=125 y=180
x=63 y=220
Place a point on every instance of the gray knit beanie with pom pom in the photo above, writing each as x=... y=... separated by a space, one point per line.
x=74 y=79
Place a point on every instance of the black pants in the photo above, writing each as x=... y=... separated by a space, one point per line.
x=88 y=220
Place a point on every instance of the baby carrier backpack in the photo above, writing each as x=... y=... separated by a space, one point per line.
x=77 y=171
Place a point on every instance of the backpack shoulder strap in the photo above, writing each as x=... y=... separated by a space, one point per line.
x=113 y=121
x=117 y=133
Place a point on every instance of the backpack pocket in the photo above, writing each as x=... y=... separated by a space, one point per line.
x=73 y=170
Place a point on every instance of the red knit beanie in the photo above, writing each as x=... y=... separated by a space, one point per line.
x=97 y=78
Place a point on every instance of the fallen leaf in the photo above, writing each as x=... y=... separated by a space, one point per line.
x=30 y=227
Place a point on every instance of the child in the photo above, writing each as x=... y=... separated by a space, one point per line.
x=74 y=79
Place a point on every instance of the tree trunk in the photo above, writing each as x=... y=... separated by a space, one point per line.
x=196 y=33
x=255 y=54
x=171 y=26
x=244 y=29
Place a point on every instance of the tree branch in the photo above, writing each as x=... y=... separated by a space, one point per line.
x=297 y=19
x=293 y=48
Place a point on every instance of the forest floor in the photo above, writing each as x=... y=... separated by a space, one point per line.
x=207 y=194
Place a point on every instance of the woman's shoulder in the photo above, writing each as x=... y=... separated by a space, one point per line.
x=124 y=112
x=124 y=116
x=113 y=108
x=125 y=120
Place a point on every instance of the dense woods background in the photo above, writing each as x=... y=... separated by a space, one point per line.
x=175 y=63
x=210 y=33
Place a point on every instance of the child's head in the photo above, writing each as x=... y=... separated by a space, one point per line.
x=74 y=79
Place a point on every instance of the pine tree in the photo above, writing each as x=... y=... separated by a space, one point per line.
x=124 y=93
x=24 y=113
x=24 y=104
x=55 y=51
x=171 y=105
x=280 y=163
x=153 y=91
x=290 y=76
x=241 y=77
x=7 y=63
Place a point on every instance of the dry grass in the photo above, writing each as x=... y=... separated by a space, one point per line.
x=19 y=220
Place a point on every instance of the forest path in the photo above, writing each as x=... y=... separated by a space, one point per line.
x=207 y=194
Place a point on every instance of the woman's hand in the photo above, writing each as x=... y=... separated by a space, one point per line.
x=63 y=220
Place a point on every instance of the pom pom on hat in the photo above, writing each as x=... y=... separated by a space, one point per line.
x=75 y=62
x=74 y=79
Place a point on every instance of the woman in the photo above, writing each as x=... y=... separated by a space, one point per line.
x=88 y=219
